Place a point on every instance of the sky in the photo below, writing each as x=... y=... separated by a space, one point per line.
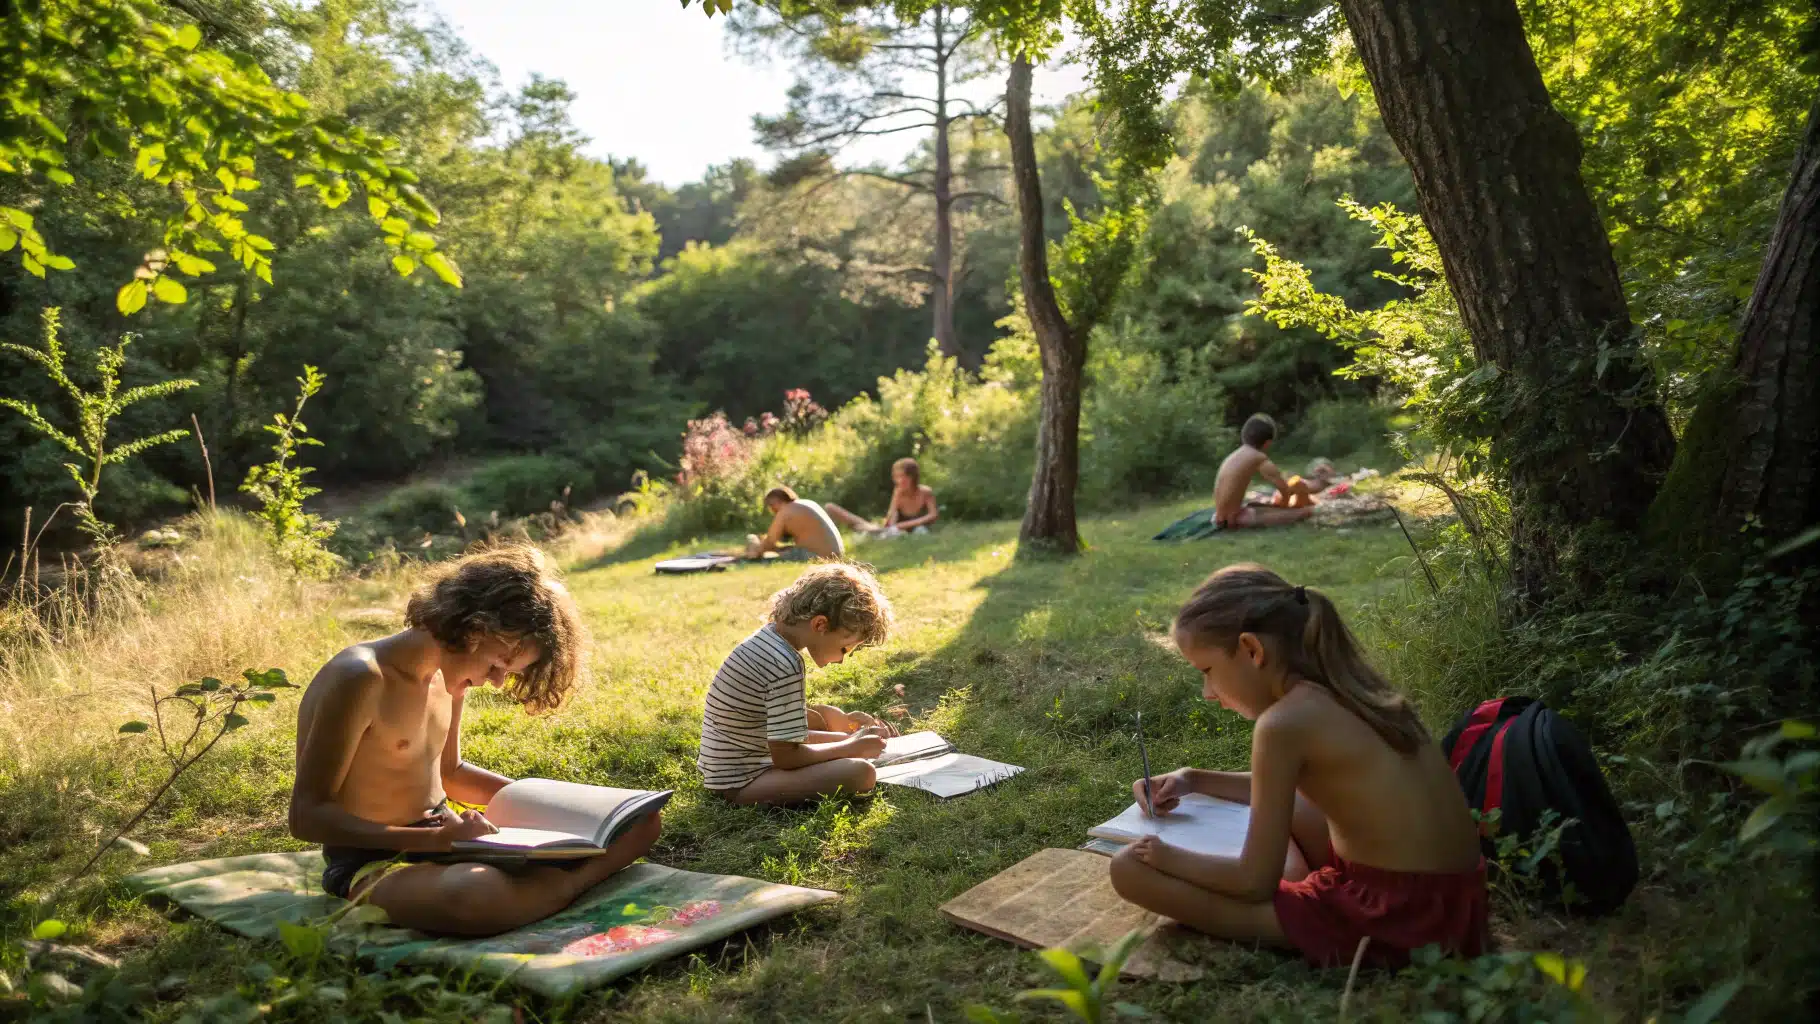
x=653 y=80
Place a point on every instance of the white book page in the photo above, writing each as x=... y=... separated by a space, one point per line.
x=948 y=775
x=1203 y=824
x=571 y=807
x=525 y=839
x=911 y=745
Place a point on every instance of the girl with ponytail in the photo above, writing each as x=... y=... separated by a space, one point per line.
x=1342 y=772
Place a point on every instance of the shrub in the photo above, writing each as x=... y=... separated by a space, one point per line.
x=414 y=510
x=1146 y=433
x=1339 y=427
x=521 y=485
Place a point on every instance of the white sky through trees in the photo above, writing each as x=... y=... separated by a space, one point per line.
x=653 y=80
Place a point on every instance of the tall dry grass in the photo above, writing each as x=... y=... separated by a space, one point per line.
x=79 y=659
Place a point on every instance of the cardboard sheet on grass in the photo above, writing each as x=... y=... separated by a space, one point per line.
x=1064 y=898
x=640 y=916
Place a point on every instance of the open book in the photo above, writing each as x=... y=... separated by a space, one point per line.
x=1203 y=824
x=925 y=761
x=543 y=819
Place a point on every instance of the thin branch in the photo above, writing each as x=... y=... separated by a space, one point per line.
x=958 y=196
x=895 y=179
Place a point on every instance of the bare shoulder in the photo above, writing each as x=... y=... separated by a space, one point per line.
x=1305 y=710
x=925 y=490
x=350 y=675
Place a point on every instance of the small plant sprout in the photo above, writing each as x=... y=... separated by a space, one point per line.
x=209 y=706
x=279 y=486
x=95 y=410
x=1087 y=998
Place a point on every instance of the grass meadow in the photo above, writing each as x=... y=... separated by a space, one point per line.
x=1037 y=662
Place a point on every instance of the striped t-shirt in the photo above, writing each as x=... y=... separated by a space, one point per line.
x=757 y=696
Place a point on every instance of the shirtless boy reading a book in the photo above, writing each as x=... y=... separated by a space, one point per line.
x=761 y=741
x=804 y=522
x=379 y=750
x=1251 y=458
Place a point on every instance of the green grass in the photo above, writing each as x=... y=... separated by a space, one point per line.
x=1040 y=663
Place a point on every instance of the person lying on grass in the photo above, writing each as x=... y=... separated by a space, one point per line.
x=912 y=505
x=1341 y=768
x=804 y=522
x=761 y=741
x=379 y=750
x=1230 y=509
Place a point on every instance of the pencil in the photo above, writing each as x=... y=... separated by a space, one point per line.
x=1149 y=804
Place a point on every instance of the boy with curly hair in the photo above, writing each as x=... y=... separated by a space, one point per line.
x=379 y=749
x=761 y=740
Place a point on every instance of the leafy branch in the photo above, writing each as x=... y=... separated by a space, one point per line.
x=94 y=411
x=208 y=705
x=279 y=486
x=116 y=76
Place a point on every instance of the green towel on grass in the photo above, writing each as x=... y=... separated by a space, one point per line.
x=1193 y=526
x=638 y=917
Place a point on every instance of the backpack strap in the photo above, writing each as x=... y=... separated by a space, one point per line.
x=1483 y=718
x=1494 y=770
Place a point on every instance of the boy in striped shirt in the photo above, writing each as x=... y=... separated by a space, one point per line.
x=761 y=741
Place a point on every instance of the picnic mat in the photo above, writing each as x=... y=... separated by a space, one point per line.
x=636 y=918
x=1065 y=898
x=694 y=563
x=1192 y=526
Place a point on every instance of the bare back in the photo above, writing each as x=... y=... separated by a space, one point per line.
x=371 y=738
x=809 y=526
x=1384 y=809
x=1235 y=477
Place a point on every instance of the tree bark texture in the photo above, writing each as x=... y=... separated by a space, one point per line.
x=1752 y=451
x=1497 y=173
x=1049 y=522
x=941 y=264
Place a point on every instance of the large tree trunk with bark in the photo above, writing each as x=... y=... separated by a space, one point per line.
x=1752 y=452
x=1497 y=173
x=941 y=266
x=1049 y=523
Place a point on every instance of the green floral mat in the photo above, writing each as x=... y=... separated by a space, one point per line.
x=636 y=918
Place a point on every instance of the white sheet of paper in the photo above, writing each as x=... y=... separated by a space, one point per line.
x=1199 y=823
x=529 y=838
x=948 y=775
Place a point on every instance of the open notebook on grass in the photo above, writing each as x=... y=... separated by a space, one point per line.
x=1203 y=824
x=544 y=819
x=925 y=761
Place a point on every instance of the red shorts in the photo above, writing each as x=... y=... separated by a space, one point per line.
x=1326 y=914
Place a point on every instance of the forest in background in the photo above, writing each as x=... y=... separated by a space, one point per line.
x=601 y=310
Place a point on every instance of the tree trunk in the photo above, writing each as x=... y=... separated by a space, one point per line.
x=942 y=265
x=1049 y=514
x=1497 y=173
x=1753 y=448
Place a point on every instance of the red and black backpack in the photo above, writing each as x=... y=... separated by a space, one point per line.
x=1516 y=756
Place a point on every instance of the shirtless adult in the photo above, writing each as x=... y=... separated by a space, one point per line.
x=379 y=751
x=1250 y=459
x=804 y=522
x=912 y=504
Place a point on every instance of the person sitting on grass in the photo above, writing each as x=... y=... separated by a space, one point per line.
x=1230 y=509
x=761 y=741
x=1341 y=770
x=379 y=750
x=912 y=505
x=804 y=522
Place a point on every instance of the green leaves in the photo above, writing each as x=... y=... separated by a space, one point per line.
x=49 y=929
x=168 y=290
x=405 y=265
x=120 y=76
x=134 y=728
x=439 y=263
